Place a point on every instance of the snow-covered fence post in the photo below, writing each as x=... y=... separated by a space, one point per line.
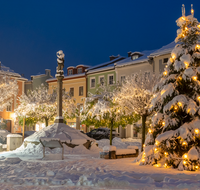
x=59 y=76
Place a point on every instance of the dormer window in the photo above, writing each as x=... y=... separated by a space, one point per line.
x=70 y=72
x=134 y=57
x=79 y=70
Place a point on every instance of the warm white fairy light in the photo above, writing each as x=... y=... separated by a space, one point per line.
x=196 y=131
x=194 y=78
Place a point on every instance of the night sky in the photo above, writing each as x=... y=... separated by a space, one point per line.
x=88 y=31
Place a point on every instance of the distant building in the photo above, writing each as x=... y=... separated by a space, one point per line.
x=74 y=83
x=7 y=116
x=37 y=80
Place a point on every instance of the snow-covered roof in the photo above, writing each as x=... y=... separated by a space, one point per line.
x=67 y=77
x=163 y=50
x=9 y=71
x=81 y=65
x=105 y=64
x=109 y=67
x=129 y=61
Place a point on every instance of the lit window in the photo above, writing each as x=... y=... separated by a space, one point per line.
x=134 y=57
x=111 y=79
x=70 y=72
x=71 y=91
x=79 y=70
x=81 y=91
x=93 y=83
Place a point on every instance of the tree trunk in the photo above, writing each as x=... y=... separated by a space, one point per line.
x=111 y=128
x=46 y=121
x=144 y=117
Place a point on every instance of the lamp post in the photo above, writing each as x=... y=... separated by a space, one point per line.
x=59 y=76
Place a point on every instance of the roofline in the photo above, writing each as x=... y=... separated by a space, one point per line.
x=65 y=78
x=135 y=63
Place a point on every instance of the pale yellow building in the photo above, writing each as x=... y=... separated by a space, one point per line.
x=75 y=83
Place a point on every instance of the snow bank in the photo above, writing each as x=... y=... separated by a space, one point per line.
x=120 y=143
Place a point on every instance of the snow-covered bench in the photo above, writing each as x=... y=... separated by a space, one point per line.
x=110 y=152
x=52 y=143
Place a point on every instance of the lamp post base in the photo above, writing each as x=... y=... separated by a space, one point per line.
x=59 y=119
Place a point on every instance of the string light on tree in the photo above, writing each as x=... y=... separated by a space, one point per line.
x=196 y=131
x=194 y=78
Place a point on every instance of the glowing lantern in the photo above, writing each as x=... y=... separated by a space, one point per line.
x=196 y=131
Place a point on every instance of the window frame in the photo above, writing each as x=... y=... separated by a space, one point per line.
x=70 y=91
x=69 y=72
x=79 y=91
x=102 y=76
x=10 y=110
x=121 y=78
x=109 y=79
x=91 y=82
x=79 y=69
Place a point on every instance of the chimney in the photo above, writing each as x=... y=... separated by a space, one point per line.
x=129 y=53
x=48 y=72
x=113 y=57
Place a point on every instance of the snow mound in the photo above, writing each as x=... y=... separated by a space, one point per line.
x=61 y=131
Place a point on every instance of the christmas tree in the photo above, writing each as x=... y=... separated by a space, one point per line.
x=174 y=137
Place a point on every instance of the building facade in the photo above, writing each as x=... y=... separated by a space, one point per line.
x=75 y=83
x=7 y=116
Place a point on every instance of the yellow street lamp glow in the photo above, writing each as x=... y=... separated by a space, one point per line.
x=194 y=78
x=184 y=162
x=196 y=131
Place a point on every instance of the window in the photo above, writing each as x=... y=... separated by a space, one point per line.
x=101 y=80
x=134 y=57
x=9 y=107
x=92 y=82
x=147 y=75
x=80 y=90
x=123 y=79
x=70 y=72
x=71 y=91
x=111 y=79
x=165 y=60
x=79 y=70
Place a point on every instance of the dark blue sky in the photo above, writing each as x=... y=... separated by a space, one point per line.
x=88 y=31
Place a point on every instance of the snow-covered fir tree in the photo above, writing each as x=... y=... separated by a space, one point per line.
x=174 y=139
x=8 y=90
x=101 y=109
x=40 y=105
x=135 y=96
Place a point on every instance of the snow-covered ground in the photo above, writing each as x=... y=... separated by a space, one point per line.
x=83 y=169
